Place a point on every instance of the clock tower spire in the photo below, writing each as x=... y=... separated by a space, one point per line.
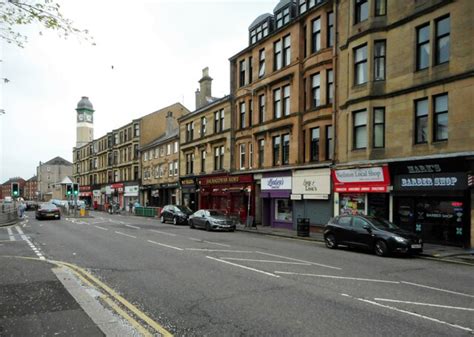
x=85 y=122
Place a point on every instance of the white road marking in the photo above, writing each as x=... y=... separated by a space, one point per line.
x=265 y=261
x=337 y=277
x=160 y=232
x=130 y=236
x=219 y=250
x=298 y=260
x=104 y=229
x=135 y=227
x=241 y=266
x=425 y=304
x=162 y=244
x=194 y=239
x=32 y=246
x=10 y=234
x=438 y=289
x=415 y=314
x=214 y=243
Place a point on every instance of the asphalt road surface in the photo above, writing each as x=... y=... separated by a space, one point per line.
x=197 y=283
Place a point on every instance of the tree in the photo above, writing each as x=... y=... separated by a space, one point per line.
x=47 y=13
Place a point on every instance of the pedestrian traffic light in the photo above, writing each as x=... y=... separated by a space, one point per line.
x=68 y=190
x=15 y=190
x=75 y=189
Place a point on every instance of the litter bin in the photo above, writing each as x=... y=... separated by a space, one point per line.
x=302 y=227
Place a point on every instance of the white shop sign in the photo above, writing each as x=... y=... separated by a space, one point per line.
x=131 y=191
x=96 y=193
x=313 y=184
x=369 y=174
x=276 y=183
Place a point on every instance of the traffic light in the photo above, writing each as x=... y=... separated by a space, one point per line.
x=75 y=189
x=15 y=190
x=68 y=190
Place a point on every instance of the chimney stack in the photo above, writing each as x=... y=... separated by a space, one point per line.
x=204 y=95
x=169 y=123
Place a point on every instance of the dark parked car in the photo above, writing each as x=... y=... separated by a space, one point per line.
x=176 y=214
x=48 y=211
x=375 y=234
x=31 y=205
x=210 y=219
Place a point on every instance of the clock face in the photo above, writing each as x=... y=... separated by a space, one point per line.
x=80 y=117
x=89 y=118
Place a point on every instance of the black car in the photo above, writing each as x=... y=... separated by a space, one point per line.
x=211 y=219
x=176 y=214
x=48 y=211
x=31 y=205
x=372 y=233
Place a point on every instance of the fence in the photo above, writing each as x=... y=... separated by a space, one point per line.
x=8 y=214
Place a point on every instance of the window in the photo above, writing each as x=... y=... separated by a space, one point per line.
x=203 y=161
x=277 y=103
x=242 y=73
x=242 y=115
x=261 y=152
x=379 y=60
x=442 y=40
x=277 y=57
x=330 y=32
x=361 y=10
x=422 y=47
x=175 y=147
x=279 y=19
x=250 y=112
x=203 y=126
x=250 y=69
x=221 y=120
x=316 y=35
x=440 y=129
x=286 y=149
x=303 y=6
x=316 y=90
x=136 y=130
x=189 y=131
x=305 y=41
x=135 y=151
x=175 y=167
x=329 y=143
x=261 y=108
x=162 y=151
x=242 y=156
x=219 y=158
x=330 y=87
x=162 y=170
x=116 y=176
x=286 y=15
x=379 y=128
x=216 y=122
x=261 y=63
x=250 y=155
x=286 y=100
x=286 y=50
x=116 y=157
x=360 y=129
x=284 y=210
x=276 y=151
x=314 y=147
x=380 y=7
x=157 y=152
x=168 y=149
x=189 y=163
x=116 y=139
x=360 y=65
x=421 y=121
x=170 y=169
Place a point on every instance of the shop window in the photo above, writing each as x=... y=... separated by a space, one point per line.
x=283 y=210
x=352 y=204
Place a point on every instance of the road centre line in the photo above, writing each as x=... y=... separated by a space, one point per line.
x=438 y=289
x=162 y=244
x=241 y=266
x=11 y=235
x=298 y=260
x=104 y=229
x=135 y=227
x=425 y=304
x=130 y=236
x=337 y=277
x=413 y=314
x=265 y=261
x=220 y=250
x=165 y=233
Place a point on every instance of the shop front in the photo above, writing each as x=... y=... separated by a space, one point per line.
x=85 y=194
x=277 y=206
x=114 y=194
x=432 y=198
x=168 y=194
x=130 y=196
x=311 y=196
x=189 y=191
x=96 y=199
x=362 y=191
x=233 y=194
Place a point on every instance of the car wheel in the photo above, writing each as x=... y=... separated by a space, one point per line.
x=330 y=241
x=208 y=226
x=380 y=248
x=162 y=219
x=191 y=225
x=175 y=221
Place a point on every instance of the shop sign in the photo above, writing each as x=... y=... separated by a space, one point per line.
x=108 y=190
x=96 y=193
x=169 y=185
x=223 y=180
x=117 y=186
x=276 y=183
x=436 y=181
x=187 y=182
x=131 y=191
x=416 y=169
x=362 y=180
x=312 y=182
x=84 y=188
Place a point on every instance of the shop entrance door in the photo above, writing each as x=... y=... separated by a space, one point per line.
x=404 y=214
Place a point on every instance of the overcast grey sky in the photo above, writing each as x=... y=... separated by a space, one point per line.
x=157 y=49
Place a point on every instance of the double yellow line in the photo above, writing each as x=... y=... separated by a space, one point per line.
x=117 y=303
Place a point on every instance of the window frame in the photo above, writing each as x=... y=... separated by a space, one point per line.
x=261 y=152
x=355 y=129
x=277 y=55
x=440 y=37
x=261 y=108
x=380 y=8
x=261 y=63
x=314 y=147
x=203 y=161
x=285 y=149
x=276 y=146
x=203 y=126
x=421 y=117
x=242 y=155
x=436 y=115
x=315 y=90
x=330 y=29
x=329 y=142
x=242 y=111
x=277 y=108
x=315 y=35
x=358 y=11
x=329 y=86
x=242 y=70
x=376 y=125
x=362 y=62
x=420 y=45
x=286 y=49
x=380 y=60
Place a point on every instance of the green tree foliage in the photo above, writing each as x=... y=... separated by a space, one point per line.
x=47 y=13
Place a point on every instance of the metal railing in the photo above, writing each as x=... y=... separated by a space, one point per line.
x=8 y=214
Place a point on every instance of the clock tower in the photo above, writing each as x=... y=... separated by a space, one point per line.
x=85 y=122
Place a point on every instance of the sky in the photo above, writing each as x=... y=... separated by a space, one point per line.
x=148 y=54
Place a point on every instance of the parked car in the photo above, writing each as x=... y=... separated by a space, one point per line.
x=372 y=233
x=211 y=219
x=31 y=205
x=175 y=213
x=48 y=211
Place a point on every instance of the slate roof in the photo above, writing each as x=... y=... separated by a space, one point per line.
x=58 y=161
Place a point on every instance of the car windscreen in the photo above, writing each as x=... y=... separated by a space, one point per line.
x=382 y=223
x=185 y=209
x=49 y=207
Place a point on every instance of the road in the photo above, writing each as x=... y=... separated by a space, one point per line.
x=197 y=283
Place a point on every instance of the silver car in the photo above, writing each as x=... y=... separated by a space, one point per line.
x=211 y=219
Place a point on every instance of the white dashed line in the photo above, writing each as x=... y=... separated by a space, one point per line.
x=104 y=229
x=10 y=234
x=241 y=266
x=214 y=243
x=265 y=261
x=337 y=277
x=160 y=232
x=219 y=250
x=423 y=304
x=438 y=289
x=135 y=227
x=292 y=259
x=130 y=236
x=162 y=244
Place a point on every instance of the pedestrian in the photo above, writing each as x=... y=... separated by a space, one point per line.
x=130 y=207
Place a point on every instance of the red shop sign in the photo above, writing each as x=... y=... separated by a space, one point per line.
x=361 y=180
x=117 y=186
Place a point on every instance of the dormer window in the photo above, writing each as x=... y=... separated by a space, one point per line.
x=260 y=28
x=283 y=17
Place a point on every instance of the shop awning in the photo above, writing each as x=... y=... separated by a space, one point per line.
x=362 y=180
